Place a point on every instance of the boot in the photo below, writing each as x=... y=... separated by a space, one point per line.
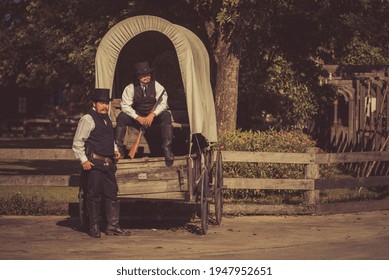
x=93 y=212
x=112 y=209
x=120 y=131
x=94 y=231
x=167 y=139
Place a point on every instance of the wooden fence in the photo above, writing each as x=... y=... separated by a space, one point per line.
x=312 y=183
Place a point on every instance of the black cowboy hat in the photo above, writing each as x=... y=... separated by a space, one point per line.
x=143 y=68
x=101 y=95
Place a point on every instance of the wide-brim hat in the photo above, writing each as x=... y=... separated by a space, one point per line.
x=143 y=68
x=101 y=95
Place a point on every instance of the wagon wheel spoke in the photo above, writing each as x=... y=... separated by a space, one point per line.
x=218 y=188
x=204 y=202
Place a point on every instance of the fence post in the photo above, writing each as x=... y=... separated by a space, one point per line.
x=312 y=172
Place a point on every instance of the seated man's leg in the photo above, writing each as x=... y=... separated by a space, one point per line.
x=165 y=120
x=122 y=121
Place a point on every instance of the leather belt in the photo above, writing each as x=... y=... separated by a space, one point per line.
x=106 y=160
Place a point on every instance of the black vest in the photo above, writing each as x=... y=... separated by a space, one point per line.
x=101 y=139
x=144 y=103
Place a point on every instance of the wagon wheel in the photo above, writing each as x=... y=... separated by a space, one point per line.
x=209 y=158
x=196 y=176
x=82 y=210
x=218 y=188
x=204 y=201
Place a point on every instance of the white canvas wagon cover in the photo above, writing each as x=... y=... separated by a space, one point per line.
x=193 y=61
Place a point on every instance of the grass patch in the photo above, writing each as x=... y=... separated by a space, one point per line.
x=349 y=195
x=19 y=204
x=265 y=197
x=48 y=194
x=290 y=197
x=27 y=200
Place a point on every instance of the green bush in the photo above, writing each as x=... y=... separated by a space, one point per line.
x=294 y=141
x=19 y=204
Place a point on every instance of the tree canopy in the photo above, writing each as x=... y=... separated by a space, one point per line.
x=268 y=51
x=286 y=43
x=51 y=43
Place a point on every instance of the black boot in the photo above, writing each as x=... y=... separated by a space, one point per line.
x=93 y=212
x=94 y=231
x=112 y=209
x=120 y=132
x=167 y=139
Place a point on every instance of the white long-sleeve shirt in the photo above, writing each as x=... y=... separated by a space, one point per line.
x=128 y=100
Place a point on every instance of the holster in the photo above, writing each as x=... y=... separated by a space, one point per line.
x=107 y=160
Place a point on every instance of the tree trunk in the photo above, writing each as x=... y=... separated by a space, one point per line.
x=226 y=88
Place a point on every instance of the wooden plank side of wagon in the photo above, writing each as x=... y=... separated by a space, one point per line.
x=137 y=187
x=167 y=196
x=144 y=164
x=149 y=178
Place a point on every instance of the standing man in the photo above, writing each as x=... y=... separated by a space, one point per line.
x=138 y=110
x=95 y=147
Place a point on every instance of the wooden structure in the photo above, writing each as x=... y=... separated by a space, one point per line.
x=361 y=111
x=312 y=184
x=40 y=127
x=191 y=179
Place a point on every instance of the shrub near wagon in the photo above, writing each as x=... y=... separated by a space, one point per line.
x=293 y=141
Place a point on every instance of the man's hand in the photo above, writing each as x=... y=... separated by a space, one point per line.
x=150 y=119
x=141 y=121
x=87 y=165
x=146 y=121
x=117 y=156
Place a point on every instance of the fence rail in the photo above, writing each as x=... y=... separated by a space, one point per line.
x=312 y=160
x=36 y=154
x=311 y=156
x=312 y=183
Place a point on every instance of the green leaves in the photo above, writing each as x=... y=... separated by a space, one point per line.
x=228 y=13
x=270 y=141
x=48 y=44
x=360 y=52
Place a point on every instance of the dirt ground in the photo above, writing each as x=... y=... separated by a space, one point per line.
x=328 y=237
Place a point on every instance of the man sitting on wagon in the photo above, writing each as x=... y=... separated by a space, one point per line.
x=138 y=109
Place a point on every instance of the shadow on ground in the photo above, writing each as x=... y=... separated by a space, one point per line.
x=170 y=216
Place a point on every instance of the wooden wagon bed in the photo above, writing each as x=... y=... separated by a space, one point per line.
x=149 y=178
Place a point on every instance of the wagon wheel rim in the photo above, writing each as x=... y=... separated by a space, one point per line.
x=204 y=202
x=218 y=188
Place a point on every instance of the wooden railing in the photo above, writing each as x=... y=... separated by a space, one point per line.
x=312 y=183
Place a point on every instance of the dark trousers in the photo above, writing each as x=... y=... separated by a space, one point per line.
x=101 y=185
x=123 y=120
x=101 y=182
